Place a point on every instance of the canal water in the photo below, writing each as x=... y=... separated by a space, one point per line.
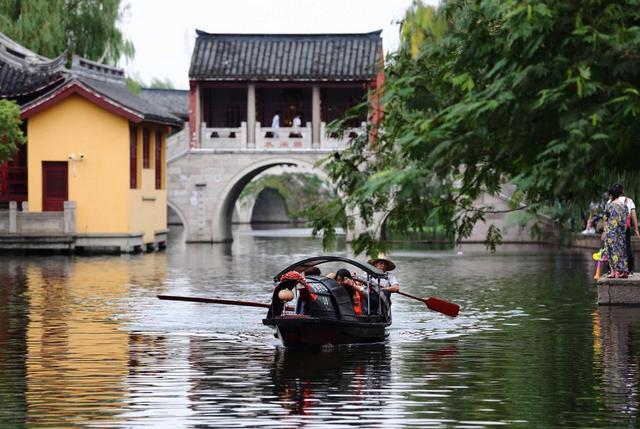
x=84 y=343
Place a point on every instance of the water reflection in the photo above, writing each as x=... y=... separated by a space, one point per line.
x=61 y=341
x=85 y=343
x=303 y=380
x=13 y=344
x=620 y=347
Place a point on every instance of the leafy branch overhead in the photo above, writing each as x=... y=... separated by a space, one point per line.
x=540 y=96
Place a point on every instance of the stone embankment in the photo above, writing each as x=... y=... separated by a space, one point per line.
x=619 y=291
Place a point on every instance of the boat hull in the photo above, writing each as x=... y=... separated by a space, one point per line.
x=300 y=331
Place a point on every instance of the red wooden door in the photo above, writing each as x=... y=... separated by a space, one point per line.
x=55 y=186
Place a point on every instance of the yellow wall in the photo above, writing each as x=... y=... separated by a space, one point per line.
x=100 y=183
x=148 y=205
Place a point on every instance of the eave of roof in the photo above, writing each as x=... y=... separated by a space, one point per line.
x=31 y=89
x=202 y=33
x=75 y=87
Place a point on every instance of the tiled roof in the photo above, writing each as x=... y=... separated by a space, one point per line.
x=113 y=97
x=23 y=72
x=175 y=101
x=35 y=80
x=121 y=95
x=110 y=82
x=15 y=82
x=286 y=57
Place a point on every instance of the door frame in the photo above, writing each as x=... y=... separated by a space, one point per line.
x=47 y=203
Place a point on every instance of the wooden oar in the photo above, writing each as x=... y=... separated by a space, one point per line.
x=433 y=303
x=217 y=301
x=437 y=304
x=214 y=301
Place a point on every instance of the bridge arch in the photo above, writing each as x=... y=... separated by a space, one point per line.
x=223 y=211
x=176 y=208
x=270 y=206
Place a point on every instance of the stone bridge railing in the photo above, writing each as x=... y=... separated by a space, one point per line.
x=178 y=143
x=264 y=139
x=330 y=140
x=283 y=138
x=223 y=138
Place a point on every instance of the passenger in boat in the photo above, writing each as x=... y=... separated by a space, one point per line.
x=304 y=295
x=345 y=279
x=312 y=271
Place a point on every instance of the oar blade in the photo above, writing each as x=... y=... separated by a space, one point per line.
x=442 y=306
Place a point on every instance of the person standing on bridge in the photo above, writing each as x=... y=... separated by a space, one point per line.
x=275 y=124
x=296 y=124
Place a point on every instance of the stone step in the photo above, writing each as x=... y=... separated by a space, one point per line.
x=619 y=291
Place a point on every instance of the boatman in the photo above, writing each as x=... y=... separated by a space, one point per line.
x=387 y=286
x=390 y=284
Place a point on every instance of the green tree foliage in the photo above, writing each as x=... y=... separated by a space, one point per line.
x=161 y=83
x=88 y=27
x=135 y=83
x=297 y=189
x=11 y=134
x=543 y=94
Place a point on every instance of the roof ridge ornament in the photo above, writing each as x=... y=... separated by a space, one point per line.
x=18 y=56
x=95 y=70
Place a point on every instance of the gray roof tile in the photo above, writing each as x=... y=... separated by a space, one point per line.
x=154 y=112
x=15 y=82
x=286 y=57
x=175 y=101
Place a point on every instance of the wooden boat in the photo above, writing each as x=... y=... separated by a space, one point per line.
x=324 y=311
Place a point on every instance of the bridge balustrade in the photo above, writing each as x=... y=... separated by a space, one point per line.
x=331 y=140
x=269 y=139
x=285 y=138
x=224 y=138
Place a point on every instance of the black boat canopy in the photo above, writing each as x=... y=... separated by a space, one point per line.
x=305 y=264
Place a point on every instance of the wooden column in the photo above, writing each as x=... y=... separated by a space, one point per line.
x=198 y=115
x=315 y=116
x=251 y=115
x=193 y=124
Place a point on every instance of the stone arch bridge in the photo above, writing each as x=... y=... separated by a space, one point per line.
x=205 y=183
x=257 y=101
